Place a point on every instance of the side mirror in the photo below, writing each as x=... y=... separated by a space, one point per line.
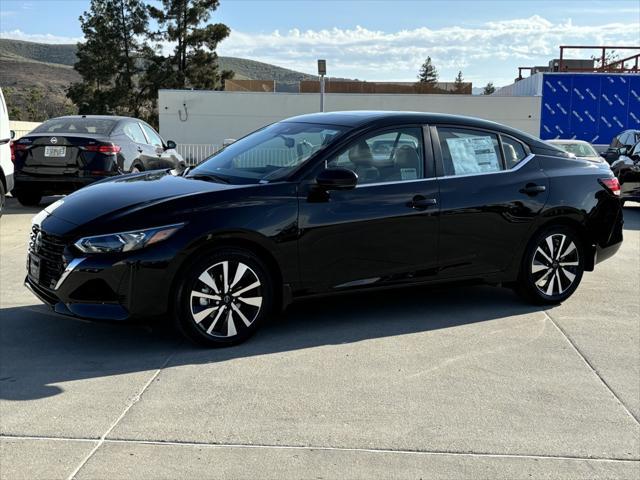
x=13 y=134
x=337 y=179
x=170 y=145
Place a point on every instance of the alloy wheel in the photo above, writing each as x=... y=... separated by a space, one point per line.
x=555 y=264
x=226 y=298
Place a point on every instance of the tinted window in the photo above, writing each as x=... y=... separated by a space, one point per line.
x=392 y=156
x=154 y=138
x=133 y=131
x=513 y=151
x=99 y=126
x=469 y=151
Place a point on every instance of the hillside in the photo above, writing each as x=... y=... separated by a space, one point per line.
x=25 y=65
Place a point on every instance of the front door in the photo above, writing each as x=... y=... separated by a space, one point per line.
x=383 y=231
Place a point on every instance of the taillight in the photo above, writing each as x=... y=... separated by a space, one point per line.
x=13 y=152
x=106 y=149
x=611 y=184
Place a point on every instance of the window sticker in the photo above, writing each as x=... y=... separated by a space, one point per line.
x=408 y=174
x=473 y=154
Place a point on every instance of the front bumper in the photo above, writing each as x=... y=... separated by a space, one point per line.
x=114 y=288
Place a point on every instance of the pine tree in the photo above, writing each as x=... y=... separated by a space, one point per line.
x=459 y=83
x=489 y=89
x=194 y=63
x=428 y=73
x=111 y=60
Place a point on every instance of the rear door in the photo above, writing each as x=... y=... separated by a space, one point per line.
x=491 y=189
x=383 y=231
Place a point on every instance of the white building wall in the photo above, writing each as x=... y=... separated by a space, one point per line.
x=208 y=117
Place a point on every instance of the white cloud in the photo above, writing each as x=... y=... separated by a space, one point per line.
x=490 y=52
x=38 y=37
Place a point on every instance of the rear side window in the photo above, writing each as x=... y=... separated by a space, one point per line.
x=133 y=131
x=513 y=151
x=98 y=126
x=469 y=151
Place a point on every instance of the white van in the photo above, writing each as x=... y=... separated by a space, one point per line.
x=6 y=165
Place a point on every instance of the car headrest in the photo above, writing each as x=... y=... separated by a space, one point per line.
x=407 y=157
x=360 y=154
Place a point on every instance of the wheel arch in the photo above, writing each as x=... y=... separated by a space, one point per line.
x=581 y=230
x=235 y=240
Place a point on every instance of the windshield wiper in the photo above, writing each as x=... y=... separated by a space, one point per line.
x=209 y=176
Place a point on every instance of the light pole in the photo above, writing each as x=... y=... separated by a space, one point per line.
x=322 y=71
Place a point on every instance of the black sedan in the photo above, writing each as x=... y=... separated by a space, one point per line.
x=321 y=204
x=627 y=170
x=64 y=154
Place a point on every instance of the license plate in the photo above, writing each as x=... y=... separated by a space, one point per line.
x=34 y=267
x=55 y=151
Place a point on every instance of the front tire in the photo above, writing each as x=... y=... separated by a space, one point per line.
x=223 y=298
x=552 y=266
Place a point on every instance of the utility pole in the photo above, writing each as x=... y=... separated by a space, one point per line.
x=322 y=71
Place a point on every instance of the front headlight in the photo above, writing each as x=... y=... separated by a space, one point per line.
x=126 y=241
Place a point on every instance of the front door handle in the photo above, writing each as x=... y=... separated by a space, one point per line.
x=533 y=189
x=422 y=203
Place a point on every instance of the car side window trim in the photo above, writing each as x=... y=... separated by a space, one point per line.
x=437 y=151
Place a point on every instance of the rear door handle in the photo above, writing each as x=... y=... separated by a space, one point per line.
x=533 y=189
x=422 y=203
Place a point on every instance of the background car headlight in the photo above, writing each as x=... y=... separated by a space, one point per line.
x=126 y=241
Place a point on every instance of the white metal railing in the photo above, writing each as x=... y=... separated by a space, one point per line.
x=194 y=153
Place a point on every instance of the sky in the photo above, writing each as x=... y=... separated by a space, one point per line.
x=380 y=40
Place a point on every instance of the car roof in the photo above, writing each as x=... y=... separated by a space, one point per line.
x=382 y=118
x=96 y=117
x=565 y=141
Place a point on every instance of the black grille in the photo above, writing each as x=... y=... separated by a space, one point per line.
x=49 y=248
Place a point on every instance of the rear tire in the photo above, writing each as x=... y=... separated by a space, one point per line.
x=223 y=298
x=137 y=168
x=29 y=198
x=552 y=266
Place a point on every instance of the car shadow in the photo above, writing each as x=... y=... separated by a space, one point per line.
x=39 y=349
x=13 y=207
x=631 y=212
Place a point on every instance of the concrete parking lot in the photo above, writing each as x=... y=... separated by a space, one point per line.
x=420 y=383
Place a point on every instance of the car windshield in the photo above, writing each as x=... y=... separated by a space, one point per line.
x=268 y=154
x=578 y=149
x=100 y=126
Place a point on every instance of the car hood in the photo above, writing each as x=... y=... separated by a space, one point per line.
x=125 y=194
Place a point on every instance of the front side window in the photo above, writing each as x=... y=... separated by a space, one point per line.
x=133 y=131
x=467 y=152
x=269 y=154
x=392 y=156
x=154 y=138
x=513 y=151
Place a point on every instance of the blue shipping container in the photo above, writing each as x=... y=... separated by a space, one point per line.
x=589 y=106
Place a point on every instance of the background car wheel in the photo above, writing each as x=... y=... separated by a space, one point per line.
x=137 y=168
x=29 y=198
x=552 y=266
x=3 y=198
x=223 y=298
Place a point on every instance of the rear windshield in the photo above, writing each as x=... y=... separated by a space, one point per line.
x=100 y=126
